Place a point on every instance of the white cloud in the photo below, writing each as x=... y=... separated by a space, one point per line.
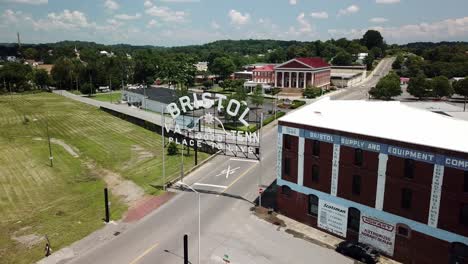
x=29 y=2
x=148 y=3
x=215 y=25
x=237 y=18
x=10 y=16
x=349 y=10
x=180 y=1
x=378 y=20
x=166 y=14
x=111 y=5
x=304 y=28
x=292 y=2
x=446 y=30
x=67 y=20
x=128 y=17
x=152 y=23
x=320 y=15
x=386 y=2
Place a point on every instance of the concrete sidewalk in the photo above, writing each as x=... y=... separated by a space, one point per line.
x=306 y=232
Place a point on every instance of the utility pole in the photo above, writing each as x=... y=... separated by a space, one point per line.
x=51 y=158
x=163 y=127
x=186 y=261
x=260 y=161
x=106 y=205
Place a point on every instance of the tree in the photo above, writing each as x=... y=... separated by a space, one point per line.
x=257 y=98
x=62 y=73
x=343 y=58
x=42 y=78
x=372 y=38
x=387 y=87
x=207 y=84
x=377 y=52
x=86 y=88
x=419 y=87
x=369 y=61
x=30 y=53
x=441 y=86
x=17 y=76
x=312 y=92
x=461 y=88
x=223 y=67
x=398 y=62
x=172 y=149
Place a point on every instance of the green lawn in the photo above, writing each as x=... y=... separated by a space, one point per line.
x=108 y=97
x=66 y=202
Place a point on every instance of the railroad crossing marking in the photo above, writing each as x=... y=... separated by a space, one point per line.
x=228 y=171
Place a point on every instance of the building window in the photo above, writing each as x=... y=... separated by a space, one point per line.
x=465 y=185
x=315 y=173
x=313 y=205
x=354 y=218
x=287 y=142
x=403 y=230
x=464 y=215
x=358 y=157
x=409 y=168
x=287 y=166
x=316 y=148
x=286 y=191
x=356 y=184
x=406 y=196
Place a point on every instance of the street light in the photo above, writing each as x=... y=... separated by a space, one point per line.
x=199 y=216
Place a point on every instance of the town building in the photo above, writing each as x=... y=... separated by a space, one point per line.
x=381 y=173
x=202 y=66
x=264 y=74
x=242 y=75
x=347 y=76
x=303 y=72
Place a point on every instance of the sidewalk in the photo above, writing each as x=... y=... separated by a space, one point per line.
x=306 y=232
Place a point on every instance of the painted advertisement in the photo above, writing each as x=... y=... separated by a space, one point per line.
x=332 y=217
x=378 y=234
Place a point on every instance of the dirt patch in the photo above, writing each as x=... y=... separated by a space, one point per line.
x=127 y=190
x=268 y=215
x=64 y=145
x=29 y=240
x=141 y=153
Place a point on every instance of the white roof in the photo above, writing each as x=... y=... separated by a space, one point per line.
x=390 y=120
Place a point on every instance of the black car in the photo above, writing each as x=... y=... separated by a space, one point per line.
x=359 y=251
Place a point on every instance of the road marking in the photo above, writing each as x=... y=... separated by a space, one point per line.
x=238 y=178
x=248 y=160
x=144 y=253
x=210 y=185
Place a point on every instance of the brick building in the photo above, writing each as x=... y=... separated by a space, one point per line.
x=264 y=74
x=301 y=72
x=381 y=173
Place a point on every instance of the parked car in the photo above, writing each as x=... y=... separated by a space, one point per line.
x=359 y=251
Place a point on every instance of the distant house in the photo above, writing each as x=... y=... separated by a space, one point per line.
x=108 y=54
x=46 y=67
x=202 y=66
x=456 y=79
x=11 y=58
x=404 y=80
x=242 y=75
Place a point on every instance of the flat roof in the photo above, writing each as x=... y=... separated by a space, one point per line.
x=388 y=120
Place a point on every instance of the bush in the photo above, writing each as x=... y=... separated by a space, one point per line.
x=272 y=118
x=172 y=149
x=297 y=104
x=312 y=92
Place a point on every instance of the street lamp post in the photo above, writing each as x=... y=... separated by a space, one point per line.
x=199 y=217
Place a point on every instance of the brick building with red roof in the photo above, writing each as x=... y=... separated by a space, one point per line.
x=264 y=74
x=302 y=72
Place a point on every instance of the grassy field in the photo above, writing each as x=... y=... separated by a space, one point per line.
x=108 y=97
x=65 y=201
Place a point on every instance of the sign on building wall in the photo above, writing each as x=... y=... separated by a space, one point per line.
x=436 y=191
x=377 y=233
x=335 y=169
x=332 y=217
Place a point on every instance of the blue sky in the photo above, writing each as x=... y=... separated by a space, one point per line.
x=183 y=22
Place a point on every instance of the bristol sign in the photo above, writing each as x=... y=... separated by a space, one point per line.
x=214 y=134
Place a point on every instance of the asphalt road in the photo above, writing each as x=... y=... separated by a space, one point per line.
x=360 y=92
x=227 y=189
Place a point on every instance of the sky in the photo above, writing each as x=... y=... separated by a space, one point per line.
x=186 y=22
